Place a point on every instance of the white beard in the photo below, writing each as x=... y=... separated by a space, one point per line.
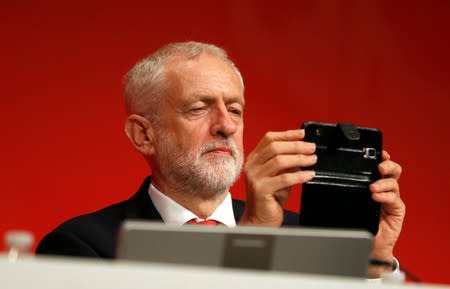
x=198 y=172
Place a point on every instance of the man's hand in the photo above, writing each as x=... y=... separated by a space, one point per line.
x=270 y=170
x=387 y=192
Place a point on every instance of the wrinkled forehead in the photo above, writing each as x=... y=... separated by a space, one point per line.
x=203 y=75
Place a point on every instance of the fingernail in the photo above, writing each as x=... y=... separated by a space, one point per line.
x=310 y=174
x=311 y=146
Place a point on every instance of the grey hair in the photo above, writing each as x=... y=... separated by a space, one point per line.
x=144 y=85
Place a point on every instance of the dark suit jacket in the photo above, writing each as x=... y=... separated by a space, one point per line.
x=95 y=234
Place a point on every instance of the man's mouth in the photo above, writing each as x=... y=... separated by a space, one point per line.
x=220 y=151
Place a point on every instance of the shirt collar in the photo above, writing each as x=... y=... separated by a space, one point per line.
x=173 y=213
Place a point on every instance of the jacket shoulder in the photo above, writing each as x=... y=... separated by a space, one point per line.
x=88 y=235
x=95 y=234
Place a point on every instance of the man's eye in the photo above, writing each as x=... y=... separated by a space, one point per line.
x=198 y=110
x=235 y=111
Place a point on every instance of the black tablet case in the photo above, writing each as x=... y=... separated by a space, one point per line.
x=339 y=196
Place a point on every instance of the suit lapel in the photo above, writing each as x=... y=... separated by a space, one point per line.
x=140 y=206
x=238 y=209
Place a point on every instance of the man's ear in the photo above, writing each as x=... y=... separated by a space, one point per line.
x=141 y=134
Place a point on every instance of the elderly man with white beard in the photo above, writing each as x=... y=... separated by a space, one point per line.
x=185 y=106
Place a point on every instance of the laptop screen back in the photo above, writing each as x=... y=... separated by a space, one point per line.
x=306 y=250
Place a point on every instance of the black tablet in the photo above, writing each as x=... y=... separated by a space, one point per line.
x=347 y=163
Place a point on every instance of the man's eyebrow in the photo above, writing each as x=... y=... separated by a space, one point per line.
x=210 y=99
x=236 y=99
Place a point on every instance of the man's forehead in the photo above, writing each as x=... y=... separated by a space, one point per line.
x=204 y=77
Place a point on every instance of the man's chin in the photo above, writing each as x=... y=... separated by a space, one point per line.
x=224 y=163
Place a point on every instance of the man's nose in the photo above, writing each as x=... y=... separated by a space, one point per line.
x=223 y=122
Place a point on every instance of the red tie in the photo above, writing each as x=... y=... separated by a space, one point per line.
x=204 y=222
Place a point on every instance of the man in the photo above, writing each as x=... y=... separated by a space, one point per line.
x=186 y=105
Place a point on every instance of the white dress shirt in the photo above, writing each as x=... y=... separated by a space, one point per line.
x=173 y=213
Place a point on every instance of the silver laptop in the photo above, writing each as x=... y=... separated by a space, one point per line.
x=306 y=250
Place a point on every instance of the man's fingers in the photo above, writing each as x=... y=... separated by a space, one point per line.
x=284 y=135
x=276 y=148
x=390 y=202
x=280 y=163
x=385 y=155
x=391 y=169
x=285 y=180
x=271 y=169
x=288 y=135
x=386 y=192
x=385 y=197
x=384 y=185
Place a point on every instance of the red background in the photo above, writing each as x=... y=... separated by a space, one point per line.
x=375 y=63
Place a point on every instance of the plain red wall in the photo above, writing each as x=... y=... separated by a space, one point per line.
x=374 y=63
